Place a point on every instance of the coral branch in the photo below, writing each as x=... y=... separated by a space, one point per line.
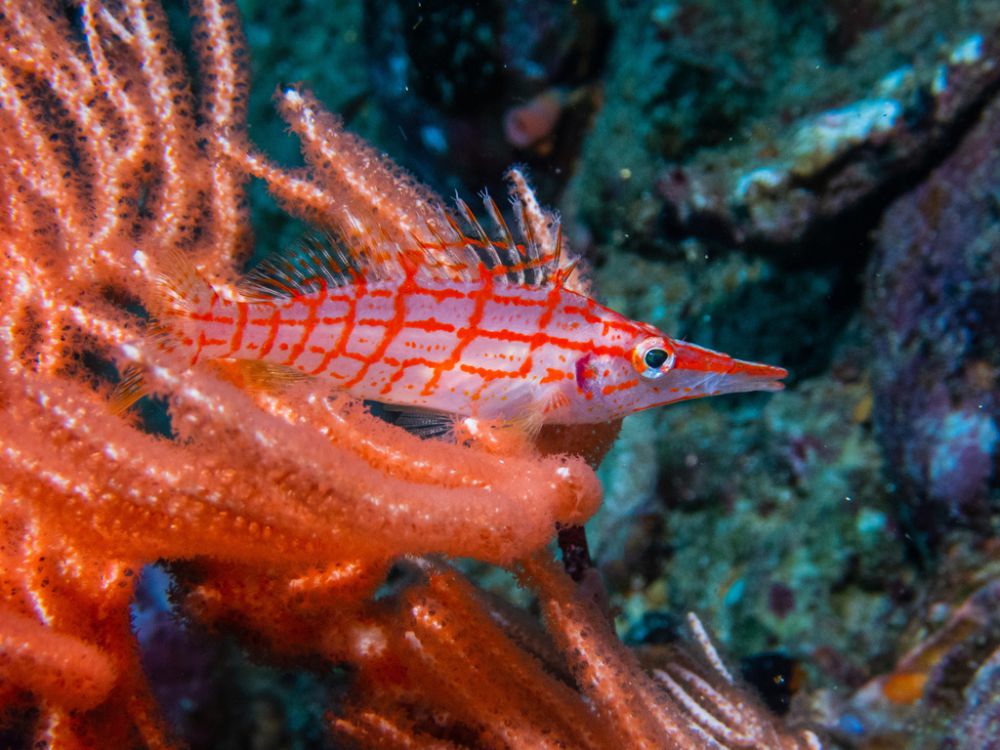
x=71 y=673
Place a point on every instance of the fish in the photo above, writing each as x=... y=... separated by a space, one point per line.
x=469 y=324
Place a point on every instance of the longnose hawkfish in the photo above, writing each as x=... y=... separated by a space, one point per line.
x=465 y=325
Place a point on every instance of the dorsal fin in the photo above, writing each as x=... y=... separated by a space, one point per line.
x=522 y=259
x=318 y=260
x=448 y=253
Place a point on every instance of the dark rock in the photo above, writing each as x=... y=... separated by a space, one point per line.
x=934 y=309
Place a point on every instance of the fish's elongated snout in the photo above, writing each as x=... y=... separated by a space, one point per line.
x=716 y=373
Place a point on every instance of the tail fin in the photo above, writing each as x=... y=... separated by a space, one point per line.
x=180 y=290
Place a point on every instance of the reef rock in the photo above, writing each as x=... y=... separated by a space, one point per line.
x=934 y=308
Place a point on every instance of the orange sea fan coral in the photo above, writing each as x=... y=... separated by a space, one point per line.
x=103 y=155
x=68 y=249
x=444 y=667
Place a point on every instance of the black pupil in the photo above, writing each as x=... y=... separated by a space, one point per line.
x=655 y=358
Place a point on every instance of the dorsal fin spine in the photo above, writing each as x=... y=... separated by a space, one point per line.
x=470 y=217
x=523 y=224
x=494 y=211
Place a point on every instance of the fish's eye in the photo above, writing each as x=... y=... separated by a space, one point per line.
x=653 y=358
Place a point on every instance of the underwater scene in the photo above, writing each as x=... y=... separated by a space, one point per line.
x=412 y=374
